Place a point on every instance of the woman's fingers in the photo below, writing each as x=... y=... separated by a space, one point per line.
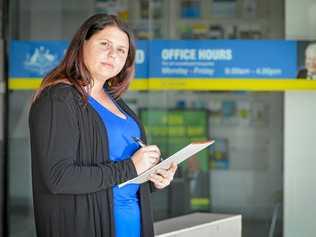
x=152 y=148
x=173 y=167
x=152 y=155
x=145 y=158
x=167 y=174
x=163 y=177
x=151 y=160
x=159 y=180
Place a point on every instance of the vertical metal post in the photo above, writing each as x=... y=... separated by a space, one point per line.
x=4 y=229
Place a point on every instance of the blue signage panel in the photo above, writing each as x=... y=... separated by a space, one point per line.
x=141 y=59
x=34 y=58
x=222 y=59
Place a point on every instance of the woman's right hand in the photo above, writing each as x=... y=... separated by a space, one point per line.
x=145 y=158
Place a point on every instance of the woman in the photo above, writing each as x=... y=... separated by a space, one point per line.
x=81 y=141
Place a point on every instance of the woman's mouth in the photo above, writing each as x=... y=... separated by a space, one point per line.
x=107 y=65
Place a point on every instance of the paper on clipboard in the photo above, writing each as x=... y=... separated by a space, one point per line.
x=177 y=157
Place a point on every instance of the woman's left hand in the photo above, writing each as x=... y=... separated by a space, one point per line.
x=163 y=177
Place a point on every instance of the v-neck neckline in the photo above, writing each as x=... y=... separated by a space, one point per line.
x=117 y=106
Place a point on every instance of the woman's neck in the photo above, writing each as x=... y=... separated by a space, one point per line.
x=97 y=89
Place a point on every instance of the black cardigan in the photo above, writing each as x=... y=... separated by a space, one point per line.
x=72 y=175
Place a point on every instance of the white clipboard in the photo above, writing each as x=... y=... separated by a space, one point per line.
x=181 y=155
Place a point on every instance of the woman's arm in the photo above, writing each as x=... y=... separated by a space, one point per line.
x=54 y=143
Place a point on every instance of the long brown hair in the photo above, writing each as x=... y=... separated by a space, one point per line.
x=72 y=69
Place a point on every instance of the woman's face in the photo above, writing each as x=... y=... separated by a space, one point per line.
x=105 y=53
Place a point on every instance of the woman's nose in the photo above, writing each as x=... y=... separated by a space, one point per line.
x=111 y=52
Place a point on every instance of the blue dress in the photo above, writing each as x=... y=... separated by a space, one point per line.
x=121 y=146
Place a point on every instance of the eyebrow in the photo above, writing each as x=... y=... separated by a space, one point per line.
x=121 y=46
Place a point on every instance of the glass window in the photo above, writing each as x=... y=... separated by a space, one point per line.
x=241 y=174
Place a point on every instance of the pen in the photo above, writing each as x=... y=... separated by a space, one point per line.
x=141 y=143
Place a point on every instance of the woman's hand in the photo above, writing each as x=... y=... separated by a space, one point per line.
x=145 y=158
x=163 y=177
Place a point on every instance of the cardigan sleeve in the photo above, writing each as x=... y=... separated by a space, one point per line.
x=54 y=143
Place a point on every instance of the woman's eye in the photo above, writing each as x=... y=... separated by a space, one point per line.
x=105 y=43
x=121 y=51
